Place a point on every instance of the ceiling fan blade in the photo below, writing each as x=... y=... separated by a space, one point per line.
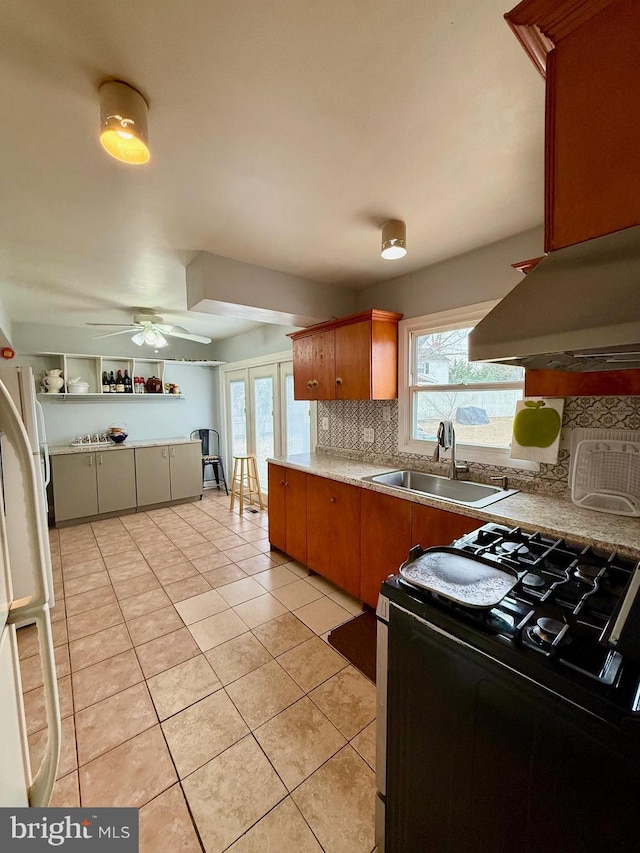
x=119 y=325
x=121 y=332
x=199 y=339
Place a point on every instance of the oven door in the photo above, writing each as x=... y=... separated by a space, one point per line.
x=479 y=758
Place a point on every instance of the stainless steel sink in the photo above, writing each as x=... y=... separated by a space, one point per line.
x=442 y=488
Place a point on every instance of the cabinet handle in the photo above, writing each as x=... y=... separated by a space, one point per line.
x=282 y=483
x=314 y=383
x=333 y=500
x=91 y=460
x=100 y=459
x=164 y=452
x=173 y=453
x=310 y=384
x=338 y=380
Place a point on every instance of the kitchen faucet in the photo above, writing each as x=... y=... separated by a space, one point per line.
x=446 y=439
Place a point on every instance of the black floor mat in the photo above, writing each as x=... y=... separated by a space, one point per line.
x=356 y=640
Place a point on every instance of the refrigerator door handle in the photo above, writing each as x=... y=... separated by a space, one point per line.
x=42 y=786
x=35 y=606
x=44 y=445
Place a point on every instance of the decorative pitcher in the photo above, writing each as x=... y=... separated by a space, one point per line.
x=53 y=381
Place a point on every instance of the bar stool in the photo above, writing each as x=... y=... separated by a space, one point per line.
x=245 y=482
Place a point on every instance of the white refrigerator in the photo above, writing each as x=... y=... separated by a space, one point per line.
x=20 y=383
x=21 y=499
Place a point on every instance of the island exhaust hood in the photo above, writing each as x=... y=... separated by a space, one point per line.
x=578 y=310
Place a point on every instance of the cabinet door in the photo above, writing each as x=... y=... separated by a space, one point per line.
x=384 y=542
x=116 y=475
x=277 y=506
x=303 y=368
x=296 y=516
x=431 y=527
x=185 y=466
x=75 y=489
x=152 y=475
x=333 y=531
x=353 y=361
x=324 y=366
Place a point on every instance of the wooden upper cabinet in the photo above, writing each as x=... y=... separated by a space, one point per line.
x=353 y=358
x=588 y=52
x=303 y=372
x=353 y=361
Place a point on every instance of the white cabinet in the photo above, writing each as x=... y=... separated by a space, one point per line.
x=91 y=483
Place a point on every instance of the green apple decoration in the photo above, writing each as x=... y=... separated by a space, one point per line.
x=536 y=425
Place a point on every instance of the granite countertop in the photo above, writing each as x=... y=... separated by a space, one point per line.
x=62 y=449
x=550 y=515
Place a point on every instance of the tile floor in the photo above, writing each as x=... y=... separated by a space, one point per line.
x=197 y=684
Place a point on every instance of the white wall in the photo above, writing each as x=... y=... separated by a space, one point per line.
x=146 y=418
x=263 y=340
x=477 y=276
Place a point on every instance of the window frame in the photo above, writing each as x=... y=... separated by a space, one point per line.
x=408 y=330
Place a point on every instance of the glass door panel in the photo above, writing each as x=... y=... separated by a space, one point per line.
x=238 y=416
x=262 y=414
x=297 y=417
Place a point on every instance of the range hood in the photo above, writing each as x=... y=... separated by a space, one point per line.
x=577 y=310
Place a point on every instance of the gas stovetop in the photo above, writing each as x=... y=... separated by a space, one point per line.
x=561 y=612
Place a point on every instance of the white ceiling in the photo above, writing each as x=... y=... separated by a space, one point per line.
x=283 y=134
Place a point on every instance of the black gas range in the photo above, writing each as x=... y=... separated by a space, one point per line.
x=507 y=718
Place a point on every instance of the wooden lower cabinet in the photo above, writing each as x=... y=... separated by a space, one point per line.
x=430 y=527
x=385 y=539
x=352 y=536
x=333 y=531
x=288 y=511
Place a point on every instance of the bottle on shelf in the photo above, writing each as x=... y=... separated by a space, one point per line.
x=142 y=389
x=119 y=383
x=128 y=385
x=112 y=384
x=106 y=387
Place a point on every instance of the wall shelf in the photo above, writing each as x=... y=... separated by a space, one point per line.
x=63 y=395
x=91 y=367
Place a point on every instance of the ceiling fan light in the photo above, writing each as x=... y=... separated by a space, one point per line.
x=394 y=240
x=161 y=341
x=123 y=122
x=150 y=337
x=138 y=338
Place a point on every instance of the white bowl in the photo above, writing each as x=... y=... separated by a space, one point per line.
x=78 y=388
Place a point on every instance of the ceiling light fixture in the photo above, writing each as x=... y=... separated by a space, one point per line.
x=150 y=337
x=394 y=240
x=123 y=122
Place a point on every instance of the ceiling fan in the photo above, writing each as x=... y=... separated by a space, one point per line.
x=151 y=331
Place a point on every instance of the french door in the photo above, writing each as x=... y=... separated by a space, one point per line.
x=262 y=416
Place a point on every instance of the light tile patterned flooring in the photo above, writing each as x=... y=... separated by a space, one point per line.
x=197 y=684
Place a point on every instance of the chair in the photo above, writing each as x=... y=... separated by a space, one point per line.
x=210 y=441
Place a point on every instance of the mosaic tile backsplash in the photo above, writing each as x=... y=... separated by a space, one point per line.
x=348 y=418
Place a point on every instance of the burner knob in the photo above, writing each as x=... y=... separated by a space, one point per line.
x=548 y=629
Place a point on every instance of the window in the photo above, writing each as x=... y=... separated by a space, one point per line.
x=438 y=382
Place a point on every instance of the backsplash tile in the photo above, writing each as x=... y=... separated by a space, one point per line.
x=348 y=418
